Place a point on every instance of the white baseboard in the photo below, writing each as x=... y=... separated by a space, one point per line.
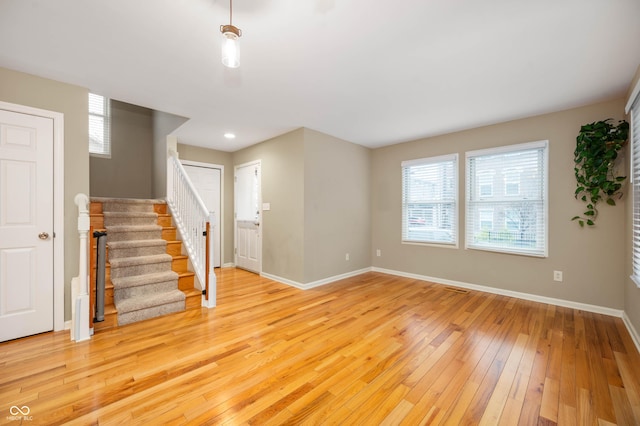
x=632 y=330
x=229 y=265
x=516 y=294
x=67 y=325
x=313 y=284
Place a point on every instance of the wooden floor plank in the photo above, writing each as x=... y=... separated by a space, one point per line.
x=371 y=349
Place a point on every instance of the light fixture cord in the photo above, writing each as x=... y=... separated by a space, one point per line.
x=230 y=12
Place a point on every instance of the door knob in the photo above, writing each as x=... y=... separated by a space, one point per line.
x=43 y=236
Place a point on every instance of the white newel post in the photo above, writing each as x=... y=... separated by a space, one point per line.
x=80 y=320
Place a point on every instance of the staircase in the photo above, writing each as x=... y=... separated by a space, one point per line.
x=147 y=274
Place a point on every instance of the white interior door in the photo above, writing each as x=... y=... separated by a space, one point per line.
x=207 y=181
x=247 y=217
x=26 y=225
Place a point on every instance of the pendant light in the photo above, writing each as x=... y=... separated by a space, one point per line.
x=230 y=42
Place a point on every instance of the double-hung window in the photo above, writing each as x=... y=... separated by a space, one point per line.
x=429 y=200
x=512 y=216
x=99 y=126
x=635 y=175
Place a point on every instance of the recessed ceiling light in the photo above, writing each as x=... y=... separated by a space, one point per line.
x=229 y=136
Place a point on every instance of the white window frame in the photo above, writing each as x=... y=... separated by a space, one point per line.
x=633 y=109
x=475 y=202
x=105 y=152
x=450 y=158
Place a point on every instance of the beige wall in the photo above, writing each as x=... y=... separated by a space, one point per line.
x=318 y=188
x=163 y=124
x=631 y=291
x=204 y=155
x=25 y=89
x=336 y=206
x=128 y=173
x=283 y=187
x=592 y=259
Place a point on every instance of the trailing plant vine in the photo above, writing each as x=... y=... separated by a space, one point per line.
x=597 y=147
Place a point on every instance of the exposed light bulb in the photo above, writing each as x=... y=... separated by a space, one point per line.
x=230 y=50
x=229 y=135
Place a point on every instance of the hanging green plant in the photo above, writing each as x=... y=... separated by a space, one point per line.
x=597 y=147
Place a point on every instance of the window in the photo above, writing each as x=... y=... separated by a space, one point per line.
x=513 y=220
x=635 y=176
x=429 y=200
x=99 y=126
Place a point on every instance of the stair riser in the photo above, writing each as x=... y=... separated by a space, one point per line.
x=123 y=293
x=164 y=221
x=136 y=251
x=179 y=265
x=97 y=221
x=95 y=208
x=169 y=234
x=145 y=268
x=174 y=248
x=156 y=311
x=131 y=220
x=186 y=282
x=193 y=302
x=108 y=296
x=134 y=235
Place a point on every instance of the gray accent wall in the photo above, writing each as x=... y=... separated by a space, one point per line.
x=72 y=101
x=163 y=124
x=592 y=260
x=128 y=173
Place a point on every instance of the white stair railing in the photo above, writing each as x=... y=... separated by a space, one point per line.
x=193 y=221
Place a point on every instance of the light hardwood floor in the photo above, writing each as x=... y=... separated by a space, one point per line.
x=373 y=349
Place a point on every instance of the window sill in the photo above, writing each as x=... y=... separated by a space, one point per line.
x=431 y=244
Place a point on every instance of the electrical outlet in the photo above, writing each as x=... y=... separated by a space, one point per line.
x=346 y=256
x=378 y=252
x=557 y=276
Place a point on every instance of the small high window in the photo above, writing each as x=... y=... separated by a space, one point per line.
x=99 y=126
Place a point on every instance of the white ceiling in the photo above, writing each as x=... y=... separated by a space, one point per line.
x=369 y=72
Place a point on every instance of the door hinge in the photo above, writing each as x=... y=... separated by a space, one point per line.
x=204 y=233
x=204 y=292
